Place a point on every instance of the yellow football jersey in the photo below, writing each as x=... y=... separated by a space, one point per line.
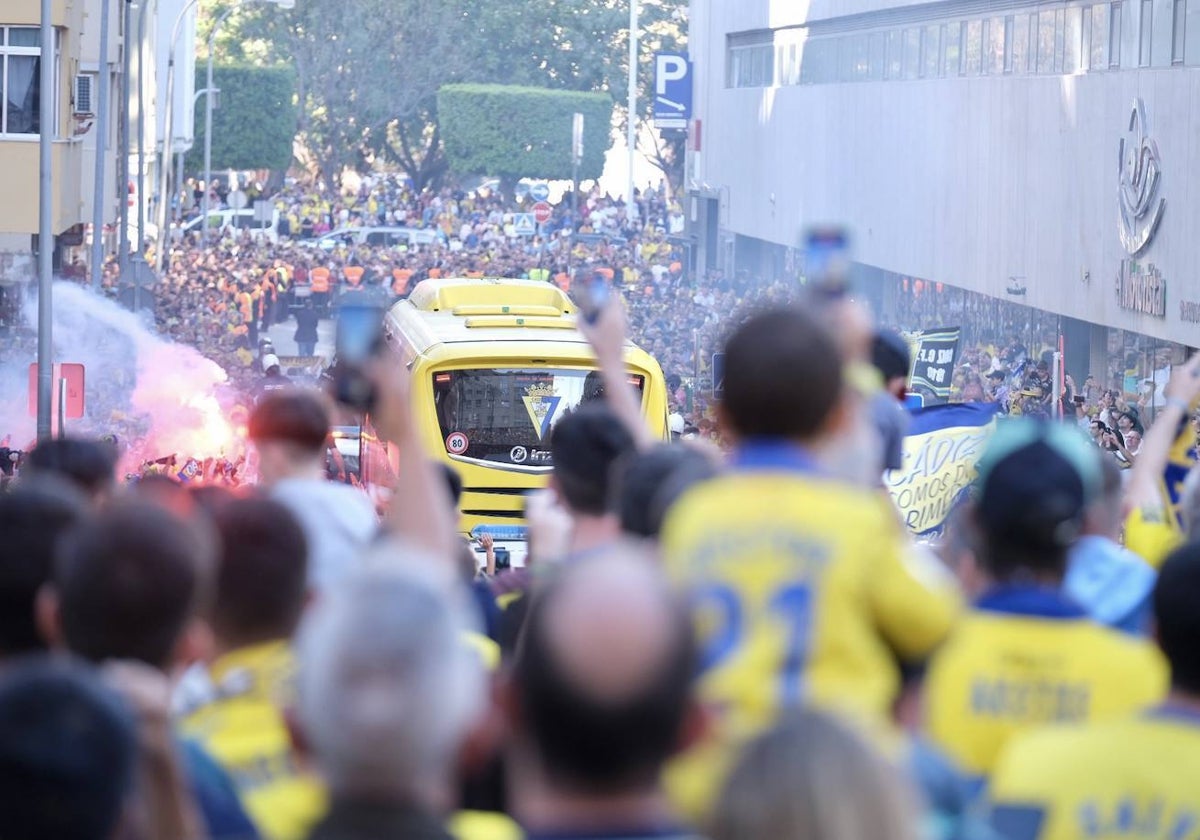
x=1025 y=657
x=1126 y=778
x=1152 y=534
x=242 y=727
x=804 y=591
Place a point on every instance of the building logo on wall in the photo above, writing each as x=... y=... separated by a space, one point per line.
x=1141 y=207
x=1141 y=288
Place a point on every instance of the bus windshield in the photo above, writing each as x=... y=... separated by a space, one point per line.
x=506 y=415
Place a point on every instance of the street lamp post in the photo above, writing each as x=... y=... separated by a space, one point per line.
x=102 y=109
x=168 y=133
x=123 y=146
x=46 y=115
x=631 y=129
x=208 y=107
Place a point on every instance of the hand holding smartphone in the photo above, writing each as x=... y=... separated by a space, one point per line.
x=359 y=340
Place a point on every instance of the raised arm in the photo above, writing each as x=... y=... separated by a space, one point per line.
x=607 y=337
x=420 y=508
x=1181 y=391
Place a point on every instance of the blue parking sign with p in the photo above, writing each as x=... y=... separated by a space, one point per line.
x=672 y=90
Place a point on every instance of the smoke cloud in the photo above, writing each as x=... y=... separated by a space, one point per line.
x=159 y=398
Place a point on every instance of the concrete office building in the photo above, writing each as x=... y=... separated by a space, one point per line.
x=1041 y=153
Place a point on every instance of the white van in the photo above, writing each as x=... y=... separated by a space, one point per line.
x=389 y=237
x=237 y=221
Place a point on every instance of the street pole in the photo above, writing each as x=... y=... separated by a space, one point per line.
x=46 y=109
x=141 y=131
x=576 y=160
x=123 y=147
x=631 y=129
x=208 y=115
x=101 y=142
x=178 y=187
x=167 y=139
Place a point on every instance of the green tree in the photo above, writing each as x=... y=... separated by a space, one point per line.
x=362 y=67
x=255 y=125
x=517 y=132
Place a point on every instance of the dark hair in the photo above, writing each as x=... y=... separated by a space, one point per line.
x=292 y=416
x=783 y=375
x=1178 y=620
x=32 y=518
x=585 y=445
x=262 y=572
x=890 y=354
x=129 y=580
x=649 y=483
x=602 y=746
x=88 y=464
x=67 y=751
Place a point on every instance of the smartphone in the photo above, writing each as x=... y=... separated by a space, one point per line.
x=1079 y=399
x=827 y=261
x=595 y=297
x=359 y=339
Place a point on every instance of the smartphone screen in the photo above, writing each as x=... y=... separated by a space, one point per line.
x=827 y=260
x=358 y=333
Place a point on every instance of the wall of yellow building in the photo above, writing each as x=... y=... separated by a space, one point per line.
x=19 y=158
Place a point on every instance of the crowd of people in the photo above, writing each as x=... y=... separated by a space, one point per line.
x=740 y=644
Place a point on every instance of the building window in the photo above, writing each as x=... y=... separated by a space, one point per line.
x=1179 y=28
x=1019 y=51
x=20 y=80
x=1073 y=52
x=951 y=49
x=912 y=53
x=1060 y=28
x=1191 y=53
x=973 y=48
x=878 y=56
x=1146 y=32
x=1114 y=35
x=1098 y=57
x=750 y=60
x=1045 y=42
x=995 y=40
x=931 y=51
x=895 y=54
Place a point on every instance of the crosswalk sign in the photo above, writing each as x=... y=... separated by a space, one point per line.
x=524 y=224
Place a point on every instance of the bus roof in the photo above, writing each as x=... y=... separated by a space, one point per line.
x=464 y=310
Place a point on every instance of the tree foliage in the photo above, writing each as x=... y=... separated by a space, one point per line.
x=255 y=125
x=368 y=71
x=522 y=132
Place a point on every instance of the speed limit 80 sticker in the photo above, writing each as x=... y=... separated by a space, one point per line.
x=457 y=443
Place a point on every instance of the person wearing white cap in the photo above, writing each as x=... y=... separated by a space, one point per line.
x=675 y=424
x=273 y=376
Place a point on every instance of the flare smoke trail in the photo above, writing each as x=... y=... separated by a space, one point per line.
x=158 y=397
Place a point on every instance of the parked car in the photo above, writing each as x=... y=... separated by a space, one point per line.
x=238 y=220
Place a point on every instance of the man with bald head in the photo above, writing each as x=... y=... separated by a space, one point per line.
x=600 y=698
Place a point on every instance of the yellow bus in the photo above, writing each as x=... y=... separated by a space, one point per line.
x=494 y=365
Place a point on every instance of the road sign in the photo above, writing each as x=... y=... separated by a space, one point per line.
x=73 y=374
x=542 y=212
x=524 y=224
x=718 y=376
x=672 y=90
x=540 y=191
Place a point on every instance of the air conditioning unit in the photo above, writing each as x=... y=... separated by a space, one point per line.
x=84 y=90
